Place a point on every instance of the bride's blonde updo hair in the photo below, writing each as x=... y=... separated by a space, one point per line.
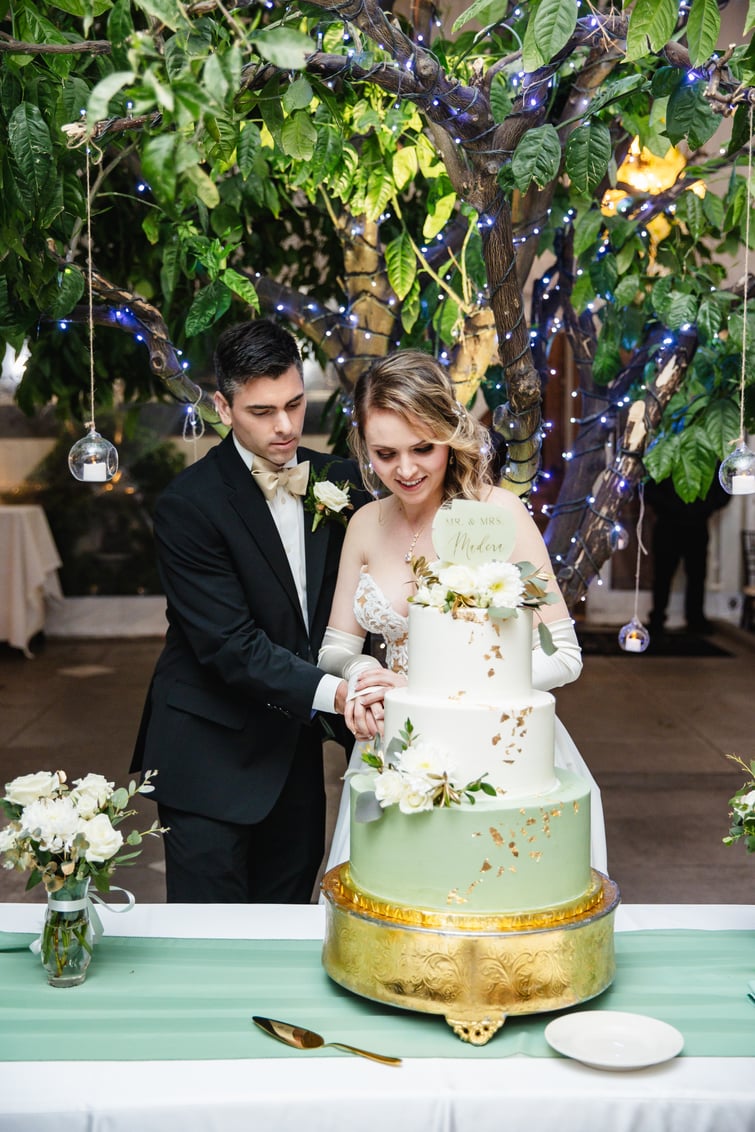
x=417 y=387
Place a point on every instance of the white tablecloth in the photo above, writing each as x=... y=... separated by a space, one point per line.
x=29 y=561
x=284 y=1095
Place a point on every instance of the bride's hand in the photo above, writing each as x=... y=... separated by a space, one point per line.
x=364 y=722
x=372 y=683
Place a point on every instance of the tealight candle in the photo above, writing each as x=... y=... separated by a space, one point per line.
x=95 y=472
x=633 y=642
x=742 y=485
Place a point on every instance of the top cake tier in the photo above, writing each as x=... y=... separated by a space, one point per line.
x=470 y=656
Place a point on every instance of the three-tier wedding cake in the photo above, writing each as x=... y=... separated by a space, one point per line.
x=461 y=825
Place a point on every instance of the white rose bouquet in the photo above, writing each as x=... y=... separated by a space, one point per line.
x=742 y=808
x=416 y=775
x=327 y=500
x=62 y=833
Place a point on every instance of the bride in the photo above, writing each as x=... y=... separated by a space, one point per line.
x=416 y=443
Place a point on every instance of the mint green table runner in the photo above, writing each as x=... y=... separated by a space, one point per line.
x=184 y=999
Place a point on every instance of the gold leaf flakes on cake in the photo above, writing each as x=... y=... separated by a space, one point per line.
x=514 y=849
x=495 y=652
x=556 y=813
x=495 y=740
x=454 y=897
x=491 y=672
x=496 y=835
x=458 y=695
x=530 y=821
x=575 y=806
x=505 y=717
x=485 y=866
x=535 y=854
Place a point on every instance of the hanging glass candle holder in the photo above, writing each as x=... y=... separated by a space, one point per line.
x=634 y=637
x=618 y=537
x=737 y=472
x=93 y=459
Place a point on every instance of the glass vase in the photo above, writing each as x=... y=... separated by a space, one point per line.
x=67 y=936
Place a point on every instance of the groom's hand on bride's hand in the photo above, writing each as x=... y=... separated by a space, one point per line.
x=364 y=722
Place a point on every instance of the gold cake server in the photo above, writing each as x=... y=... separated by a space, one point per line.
x=300 y=1038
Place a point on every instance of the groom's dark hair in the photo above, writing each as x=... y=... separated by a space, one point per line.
x=253 y=349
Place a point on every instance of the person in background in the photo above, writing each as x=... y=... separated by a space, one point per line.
x=680 y=535
x=232 y=718
x=420 y=447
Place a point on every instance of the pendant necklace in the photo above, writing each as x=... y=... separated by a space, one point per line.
x=410 y=551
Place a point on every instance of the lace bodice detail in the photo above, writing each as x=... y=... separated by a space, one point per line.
x=375 y=614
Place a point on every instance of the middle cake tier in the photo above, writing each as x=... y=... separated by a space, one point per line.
x=511 y=743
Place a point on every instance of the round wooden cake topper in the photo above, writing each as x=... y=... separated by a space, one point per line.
x=465 y=531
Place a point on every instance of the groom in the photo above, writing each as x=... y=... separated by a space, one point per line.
x=231 y=719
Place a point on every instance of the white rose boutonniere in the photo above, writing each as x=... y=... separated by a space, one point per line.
x=327 y=500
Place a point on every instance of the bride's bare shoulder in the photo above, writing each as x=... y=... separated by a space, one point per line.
x=503 y=498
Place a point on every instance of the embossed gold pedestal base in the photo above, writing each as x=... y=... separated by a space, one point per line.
x=475 y=970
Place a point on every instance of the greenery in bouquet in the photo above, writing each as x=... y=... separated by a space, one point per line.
x=65 y=834
x=742 y=808
x=500 y=588
x=417 y=775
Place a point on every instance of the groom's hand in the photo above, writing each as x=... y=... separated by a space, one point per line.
x=342 y=692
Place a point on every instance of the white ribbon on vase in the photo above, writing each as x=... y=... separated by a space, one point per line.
x=87 y=901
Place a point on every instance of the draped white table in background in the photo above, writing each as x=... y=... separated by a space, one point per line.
x=29 y=562
x=689 y=1094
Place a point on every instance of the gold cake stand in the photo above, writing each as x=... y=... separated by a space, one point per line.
x=475 y=969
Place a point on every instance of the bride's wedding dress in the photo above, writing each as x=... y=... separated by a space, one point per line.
x=376 y=615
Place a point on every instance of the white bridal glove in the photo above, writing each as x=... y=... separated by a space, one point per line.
x=566 y=663
x=341 y=655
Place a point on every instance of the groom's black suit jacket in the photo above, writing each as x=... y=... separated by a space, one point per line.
x=234 y=684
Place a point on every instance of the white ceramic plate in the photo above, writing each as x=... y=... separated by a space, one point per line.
x=611 y=1039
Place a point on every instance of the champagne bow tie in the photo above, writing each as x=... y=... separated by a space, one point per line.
x=269 y=478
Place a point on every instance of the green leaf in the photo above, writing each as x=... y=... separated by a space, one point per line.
x=536 y=158
x=681 y=310
x=690 y=209
x=439 y=213
x=298 y=136
x=401 y=263
x=166 y=12
x=548 y=31
x=694 y=465
x=31 y=147
x=616 y=91
x=703 y=26
x=546 y=640
x=379 y=192
x=297 y=96
x=447 y=320
x=284 y=47
x=247 y=148
x=410 y=307
x=71 y=284
x=209 y=304
x=204 y=186
x=242 y=287
x=501 y=100
x=214 y=81
x=709 y=319
x=721 y=424
x=405 y=165
x=588 y=151
x=626 y=290
x=587 y=229
x=99 y=100
x=690 y=116
x=158 y=165
x=473 y=12
x=660 y=456
x=651 y=26
x=604 y=275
